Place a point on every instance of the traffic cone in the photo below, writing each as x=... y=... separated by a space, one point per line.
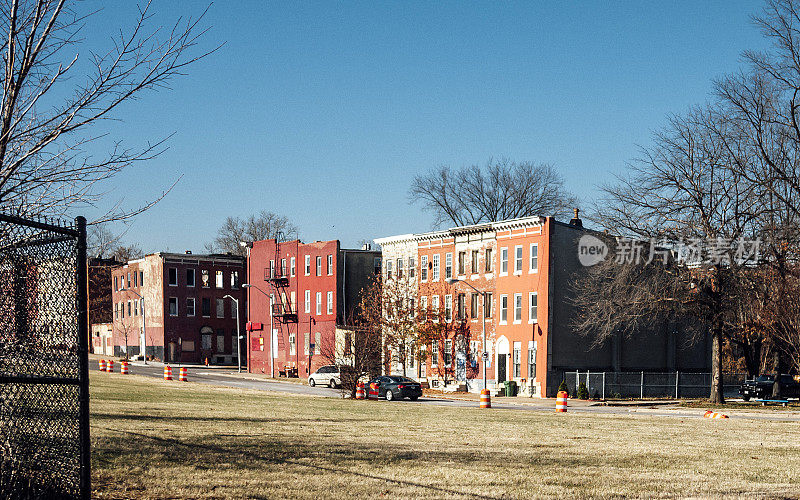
x=123 y=367
x=110 y=366
x=360 y=390
x=167 y=372
x=183 y=375
x=102 y=364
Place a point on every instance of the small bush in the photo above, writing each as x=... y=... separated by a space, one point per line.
x=563 y=386
x=583 y=392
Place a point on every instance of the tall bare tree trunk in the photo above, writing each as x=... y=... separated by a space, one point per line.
x=717 y=395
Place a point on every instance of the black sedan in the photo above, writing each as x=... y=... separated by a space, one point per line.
x=396 y=387
x=761 y=387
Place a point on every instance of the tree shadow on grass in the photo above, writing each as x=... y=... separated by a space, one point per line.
x=196 y=418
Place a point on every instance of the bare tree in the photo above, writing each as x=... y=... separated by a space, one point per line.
x=500 y=190
x=50 y=115
x=265 y=225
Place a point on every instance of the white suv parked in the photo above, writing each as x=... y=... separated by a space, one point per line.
x=326 y=375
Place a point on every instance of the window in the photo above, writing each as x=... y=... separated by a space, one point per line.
x=317 y=342
x=412 y=268
x=234 y=279
x=116 y=311
x=462 y=305
x=473 y=306
x=388 y=269
x=204 y=278
x=518 y=259
x=400 y=264
x=122 y=310
x=489 y=260
x=435 y=307
x=330 y=265
x=141 y=278
x=173 y=276
x=531 y=359
x=533 y=301
x=305 y=344
x=503 y=261
x=220 y=340
x=130 y=309
x=330 y=302
x=220 y=308
x=423 y=303
x=319 y=303
x=205 y=307
x=308 y=265
x=434 y=353
x=271 y=268
x=319 y=265
x=190 y=306
x=129 y=279
x=220 y=280
x=447 y=355
x=376 y=262
x=412 y=308
x=517 y=307
x=504 y=309
x=283 y=268
x=435 y=270
x=448 y=266
x=474 y=262
x=292 y=347
x=292 y=266
x=448 y=308
x=517 y=360
x=135 y=307
x=487 y=307
x=116 y=283
x=423 y=268
x=462 y=257
x=205 y=341
x=534 y=257
x=308 y=302
x=135 y=279
x=190 y=277
x=173 y=306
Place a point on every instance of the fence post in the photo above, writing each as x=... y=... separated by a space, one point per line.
x=676 y=384
x=604 y=386
x=641 y=387
x=82 y=299
x=577 y=381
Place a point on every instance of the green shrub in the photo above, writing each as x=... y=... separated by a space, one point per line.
x=583 y=392
x=563 y=386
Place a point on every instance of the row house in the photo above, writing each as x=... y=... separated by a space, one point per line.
x=524 y=267
x=178 y=307
x=299 y=295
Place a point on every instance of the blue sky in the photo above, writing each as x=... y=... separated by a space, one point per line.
x=324 y=111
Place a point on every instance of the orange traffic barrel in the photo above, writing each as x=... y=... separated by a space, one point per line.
x=360 y=390
x=183 y=376
x=713 y=414
x=167 y=372
x=486 y=399
x=102 y=364
x=110 y=366
x=123 y=367
x=561 y=401
x=373 y=391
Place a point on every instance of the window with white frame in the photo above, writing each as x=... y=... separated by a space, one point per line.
x=474 y=262
x=318 y=343
x=388 y=269
x=271 y=268
x=503 y=261
x=517 y=307
x=423 y=268
x=376 y=262
x=487 y=306
x=292 y=269
x=319 y=265
x=400 y=266
x=435 y=307
x=308 y=265
x=462 y=263
x=448 y=308
x=434 y=353
x=435 y=270
x=489 y=260
x=517 y=359
x=173 y=306
x=462 y=306
x=173 y=276
x=190 y=277
x=292 y=345
x=534 y=257
x=504 y=309
x=330 y=302
x=141 y=278
x=308 y=302
x=283 y=268
x=518 y=259
x=319 y=303
x=473 y=305
x=330 y=264
x=220 y=279
x=116 y=283
x=220 y=308
x=412 y=267
x=447 y=355
x=136 y=307
x=204 y=279
x=533 y=304
x=234 y=280
x=190 y=306
x=531 y=359
x=423 y=304
x=448 y=266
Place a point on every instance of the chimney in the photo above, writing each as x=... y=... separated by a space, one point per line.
x=188 y=252
x=576 y=221
x=366 y=246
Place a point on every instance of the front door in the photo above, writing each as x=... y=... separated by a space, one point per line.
x=501 y=368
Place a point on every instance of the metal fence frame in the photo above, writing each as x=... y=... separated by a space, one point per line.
x=643 y=384
x=33 y=390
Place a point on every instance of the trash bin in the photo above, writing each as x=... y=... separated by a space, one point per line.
x=511 y=388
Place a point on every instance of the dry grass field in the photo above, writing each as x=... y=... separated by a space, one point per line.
x=156 y=439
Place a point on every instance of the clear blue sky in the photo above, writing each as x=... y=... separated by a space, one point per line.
x=324 y=111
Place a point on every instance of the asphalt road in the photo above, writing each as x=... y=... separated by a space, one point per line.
x=227 y=377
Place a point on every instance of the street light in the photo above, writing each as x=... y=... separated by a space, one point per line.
x=142 y=342
x=271 y=369
x=485 y=355
x=238 y=333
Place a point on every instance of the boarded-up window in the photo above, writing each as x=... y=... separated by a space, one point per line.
x=187 y=345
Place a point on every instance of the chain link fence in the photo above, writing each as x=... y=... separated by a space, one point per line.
x=44 y=412
x=609 y=385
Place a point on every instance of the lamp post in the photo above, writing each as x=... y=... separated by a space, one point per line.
x=142 y=340
x=248 y=285
x=238 y=334
x=485 y=355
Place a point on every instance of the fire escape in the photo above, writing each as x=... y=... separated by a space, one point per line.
x=277 y=275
